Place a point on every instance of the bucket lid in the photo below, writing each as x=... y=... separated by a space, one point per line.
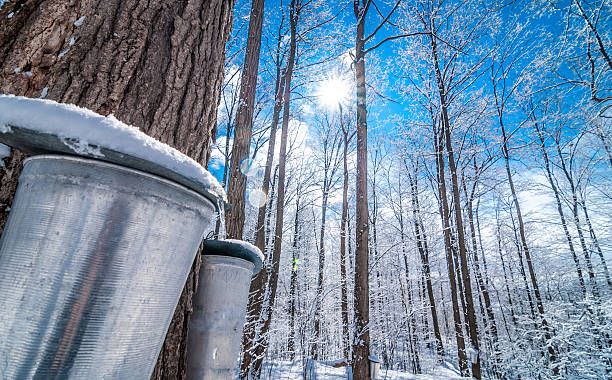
x=235 y=248
x=39 y=126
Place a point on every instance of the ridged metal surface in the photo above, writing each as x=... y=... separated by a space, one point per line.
x=219 y=309
x=92 y=262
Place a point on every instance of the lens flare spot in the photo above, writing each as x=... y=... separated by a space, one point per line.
x=247 y=168
x=257 y=198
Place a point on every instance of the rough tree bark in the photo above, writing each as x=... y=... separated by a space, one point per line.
x=234 y=219
x=155 y=65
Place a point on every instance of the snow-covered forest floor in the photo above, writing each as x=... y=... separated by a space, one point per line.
x=287 y=370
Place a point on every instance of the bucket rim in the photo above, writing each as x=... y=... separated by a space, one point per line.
x=43 y=126
x=234 y=248
x=39 y=143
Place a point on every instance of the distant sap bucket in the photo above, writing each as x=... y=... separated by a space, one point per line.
x=219 y=308
x=93 y=259
x=374 y=367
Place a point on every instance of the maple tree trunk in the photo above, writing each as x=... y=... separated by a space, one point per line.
x=525 y=249
x=467 y=286
x=421 y=240
x=293 y=281
x=361 y=340
x=444 y=214
x=258 y=284
x=145 y=63
x=234 y=218
x=343 y=258
x=317 y=313
x=252 y=360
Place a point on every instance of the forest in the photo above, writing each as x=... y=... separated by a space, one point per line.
x=442 y=187
x=430 y=180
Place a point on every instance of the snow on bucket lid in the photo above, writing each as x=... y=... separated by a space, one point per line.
x=37 y=126
x=235 y=248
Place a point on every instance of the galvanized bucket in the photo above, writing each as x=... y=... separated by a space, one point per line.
x=93 y=259
x=219 y=308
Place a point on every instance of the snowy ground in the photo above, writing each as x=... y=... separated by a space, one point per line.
x=286 y=370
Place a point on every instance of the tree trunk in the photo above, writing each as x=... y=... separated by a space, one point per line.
x=490 y=316
x=553 y=186
x=525 y=249
x=317 y=314
x=444 y=214
x=467 y=286
x=585 y=250
x=343 y=259
x=258 y=284
x=421 y=240
x=252 y=361
x=234 y=219
x=506 y=282
x=361 y=341
x=293 y=280
x=152 y=65
x=596 y=243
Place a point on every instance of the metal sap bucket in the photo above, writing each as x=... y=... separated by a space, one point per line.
x=219 y=308
x=93 y=259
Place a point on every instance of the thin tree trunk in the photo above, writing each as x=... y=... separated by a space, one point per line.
x=293 y=280
x=473 y=328
x=519 y=251
x=421 y=240
x=525 y=249
x=444 y=213
x=585 y=250
x=317 y=316
x=490 y=316
x=501 y=258
x=343 y=259
x=234 y=219
x=555 y=190
x=596 y=243
x=258 y=284
x=253 y=363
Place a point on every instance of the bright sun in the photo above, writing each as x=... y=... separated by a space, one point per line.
x=332 y=91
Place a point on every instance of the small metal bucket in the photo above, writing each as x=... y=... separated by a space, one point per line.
x=93 y=259
x=219 y=308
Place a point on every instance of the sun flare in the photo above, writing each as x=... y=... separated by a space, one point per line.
x=332 y=91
